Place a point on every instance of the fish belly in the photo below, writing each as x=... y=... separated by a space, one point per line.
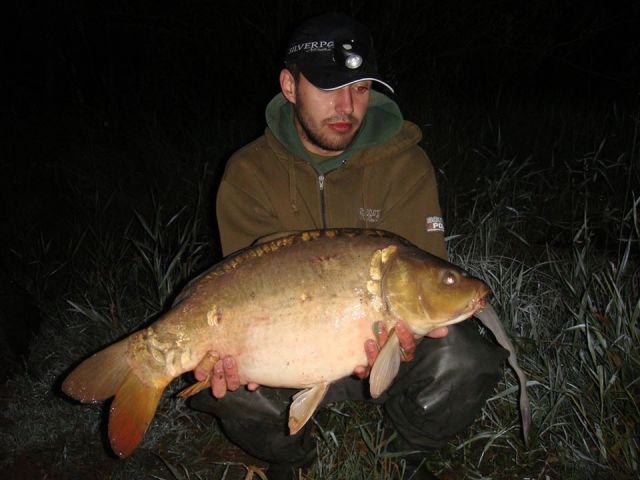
x=322 y=346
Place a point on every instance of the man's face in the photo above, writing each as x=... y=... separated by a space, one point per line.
x=328 y=120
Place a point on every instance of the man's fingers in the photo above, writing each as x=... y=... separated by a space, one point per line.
x=438 y=332
x=380 y=329
x=371 y=350
x=252 y=387
x=203 y=369
x=231 y=373
x=218 y=383
x=407 y=341
x=361 y=372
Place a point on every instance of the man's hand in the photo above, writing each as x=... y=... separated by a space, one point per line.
x=407 y=344
x=223 y=374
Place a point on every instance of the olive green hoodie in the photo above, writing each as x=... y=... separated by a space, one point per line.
x=383 y=180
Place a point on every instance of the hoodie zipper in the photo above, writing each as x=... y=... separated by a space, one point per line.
x=323 y=209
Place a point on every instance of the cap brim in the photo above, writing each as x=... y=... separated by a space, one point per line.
x=325 y=79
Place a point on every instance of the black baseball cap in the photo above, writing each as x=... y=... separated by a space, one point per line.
x=333 y=50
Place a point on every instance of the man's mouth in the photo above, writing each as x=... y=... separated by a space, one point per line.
x=340 y=127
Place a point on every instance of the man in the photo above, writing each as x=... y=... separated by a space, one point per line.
x=338 y=154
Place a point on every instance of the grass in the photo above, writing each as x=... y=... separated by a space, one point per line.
x=554 y=233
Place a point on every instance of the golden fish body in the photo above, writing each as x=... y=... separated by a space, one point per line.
x=294 y=312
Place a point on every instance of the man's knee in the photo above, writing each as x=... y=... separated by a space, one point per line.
x=265 y=405
x=470 y=353
x=257 y=423
x=442 y=391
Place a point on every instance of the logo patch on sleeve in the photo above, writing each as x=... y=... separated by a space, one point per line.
x=435 y=224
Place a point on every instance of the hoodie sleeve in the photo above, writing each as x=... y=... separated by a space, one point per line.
x=243 y=209
x=416 y=215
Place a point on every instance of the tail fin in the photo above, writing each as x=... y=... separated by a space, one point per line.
x=99 y=376
x=131 y=413
x=107 y=373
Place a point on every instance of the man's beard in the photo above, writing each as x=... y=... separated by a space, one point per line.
x=329 y=143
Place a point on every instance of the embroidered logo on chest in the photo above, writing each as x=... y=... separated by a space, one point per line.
x=370 y=215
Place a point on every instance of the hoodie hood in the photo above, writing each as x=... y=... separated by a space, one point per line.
x=382 y=122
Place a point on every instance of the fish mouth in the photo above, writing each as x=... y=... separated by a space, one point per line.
x=472 y=307
x=477 y=302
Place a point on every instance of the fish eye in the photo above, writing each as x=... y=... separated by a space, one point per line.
x=449 y=278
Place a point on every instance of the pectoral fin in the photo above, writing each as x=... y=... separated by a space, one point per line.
x=305 y=402
x=386 y=366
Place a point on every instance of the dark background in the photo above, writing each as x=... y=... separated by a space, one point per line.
x=182 y=56
x=117 y=107
x=117 y=101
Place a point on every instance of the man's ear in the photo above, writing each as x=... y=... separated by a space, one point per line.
x=288 y=85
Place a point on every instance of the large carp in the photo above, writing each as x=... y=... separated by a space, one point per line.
x=294 y=311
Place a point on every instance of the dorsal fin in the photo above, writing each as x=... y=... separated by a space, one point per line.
x=256 y=249
x=273 y=236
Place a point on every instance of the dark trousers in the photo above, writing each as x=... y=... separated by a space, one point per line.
x=434 y=397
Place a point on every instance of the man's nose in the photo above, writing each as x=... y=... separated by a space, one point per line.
x=344 y=100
